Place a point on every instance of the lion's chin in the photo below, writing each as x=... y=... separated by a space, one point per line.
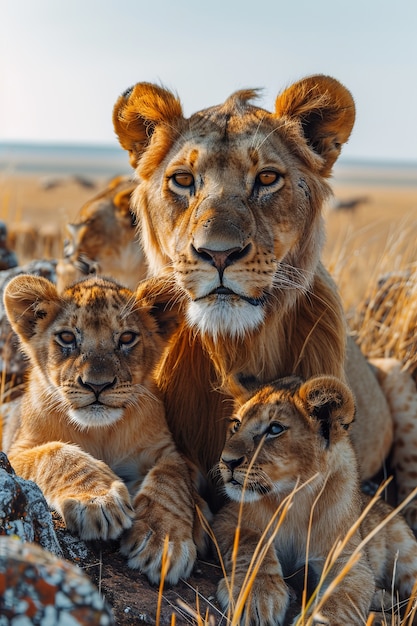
x=224 y=316
x=95 y=416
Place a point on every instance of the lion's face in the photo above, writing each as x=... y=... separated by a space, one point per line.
x=229 y=200
x=94 y=348
x=284 y=436
x=236 y=209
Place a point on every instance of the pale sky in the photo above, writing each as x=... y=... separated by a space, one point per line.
x=64 y=63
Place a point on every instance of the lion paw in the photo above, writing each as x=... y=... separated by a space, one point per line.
x=103 y=516
x=144 y=546
x=267 y=602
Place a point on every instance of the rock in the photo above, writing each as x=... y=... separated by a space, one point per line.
x=23 y=510
x=34 y=582
x=36 y=587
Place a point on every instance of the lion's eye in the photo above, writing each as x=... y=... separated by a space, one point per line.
x=183 y=179
x=127 y=338
x=274 y=429
x=267 y=178
x=66 y=337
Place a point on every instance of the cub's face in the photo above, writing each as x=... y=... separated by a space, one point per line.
x=229 y=200
x=95 y=347
x=284 y=435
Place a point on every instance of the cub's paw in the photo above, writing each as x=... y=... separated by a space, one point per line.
x=266 y=604
x=103 y=516
x=144 y=545
x=410 y=514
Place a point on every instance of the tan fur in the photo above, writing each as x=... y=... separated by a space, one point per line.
x=400 y=390
x=92 y=431
x=293 y=434
x=229 y=205
x=103 y=239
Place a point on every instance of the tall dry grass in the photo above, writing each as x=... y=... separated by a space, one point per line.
x=378 y=285
x=400 y=613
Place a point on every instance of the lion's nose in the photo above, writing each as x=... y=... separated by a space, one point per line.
x=221 y=259
x=233 y=463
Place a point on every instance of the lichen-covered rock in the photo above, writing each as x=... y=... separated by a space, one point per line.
x=24 y=511
x=37 y=588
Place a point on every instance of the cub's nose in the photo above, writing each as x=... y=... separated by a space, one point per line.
x=233 y=463
x=97 y=388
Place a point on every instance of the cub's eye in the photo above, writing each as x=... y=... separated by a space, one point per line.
x=274 y=429
x=183 y=179
x=267 y=178
x=127 y=338
x=234 y=425
x=66 y=337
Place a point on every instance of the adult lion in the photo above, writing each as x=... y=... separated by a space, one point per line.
x=229 y=206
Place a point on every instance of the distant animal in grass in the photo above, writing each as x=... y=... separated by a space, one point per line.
x=349 y=204
x=103 y=239
x=291 y=437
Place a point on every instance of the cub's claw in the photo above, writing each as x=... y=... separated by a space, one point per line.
x=103 y=516
x=144 y=548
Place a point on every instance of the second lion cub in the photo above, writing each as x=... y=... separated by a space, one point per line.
x=290 y=437
x=92 y=431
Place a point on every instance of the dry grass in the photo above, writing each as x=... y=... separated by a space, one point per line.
x=401 y=614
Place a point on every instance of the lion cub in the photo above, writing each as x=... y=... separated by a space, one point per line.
x=92 y=431
x=290 y=438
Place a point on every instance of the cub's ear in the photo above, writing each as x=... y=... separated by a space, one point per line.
x=138 y=111
x=326 y=111
x=162 y=303
x=330 y=401
x=31 y=302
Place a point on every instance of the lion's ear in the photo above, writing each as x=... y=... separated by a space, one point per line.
x=138 y=111
x=330 y=401
x=326 y=111
x=31 y=302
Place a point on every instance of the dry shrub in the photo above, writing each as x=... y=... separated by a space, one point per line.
x=385 y=322
x=30 y=242
x=377 y=279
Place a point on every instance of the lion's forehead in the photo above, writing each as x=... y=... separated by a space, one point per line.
x=252 y=148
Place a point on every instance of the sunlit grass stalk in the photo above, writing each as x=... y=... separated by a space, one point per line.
x=164 y=570
x=355 y=555
x=411 y=608
x=310 y=524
